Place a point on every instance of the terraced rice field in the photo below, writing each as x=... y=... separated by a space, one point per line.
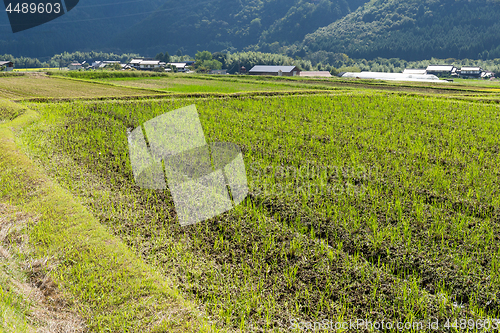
x=39 y=85
x=363 y=205
x=188 y=84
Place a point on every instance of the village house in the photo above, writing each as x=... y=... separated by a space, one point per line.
x=151 y=64
x=9 y=65
x=487 y=75
x=101 y=64
x=181 y=66
x=74 y=66
x=468 y=72
x=442 y=70
x=134 y=63
x=275 y=70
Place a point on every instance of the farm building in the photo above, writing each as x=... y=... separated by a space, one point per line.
x=316 y=74
x=487 y=75
x=471 y=71
x=441 y=70
x=135 y=63
x=392 y=76
x=9 y=65
x=275 y=70
x=102 y=64
x=181 y=66
x=150 y=64
x=418 y=71
x=74 y=66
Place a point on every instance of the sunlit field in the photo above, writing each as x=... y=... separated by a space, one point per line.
x=367 y=202
x=362 y=204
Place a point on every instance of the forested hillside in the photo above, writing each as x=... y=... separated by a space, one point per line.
x=232 y=25
x=414 y=29
x=88 y=27
x=318 y=30
x=152 y=26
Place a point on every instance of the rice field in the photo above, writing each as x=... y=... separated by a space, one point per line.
x=189 y=84
x=363 y=206
x=39 y=85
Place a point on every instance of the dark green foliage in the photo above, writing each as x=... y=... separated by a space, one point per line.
x=213 y=25
x=163 y=57
x=249 y=59
x=64 y=59
x=203 y=55
x=159 y=56
x=220 y=57
x=25 y=62
x=92 y=25
x=204 y=62
x=406 y=29
x=231 y=25
x=414 y=30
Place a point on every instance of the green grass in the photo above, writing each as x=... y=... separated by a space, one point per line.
x=13 y=306
x=9 y=110
x=185 y=83
x=106 y=74
x=362 y=204
x=478 y=83
x=108 y=285
x=15 y=294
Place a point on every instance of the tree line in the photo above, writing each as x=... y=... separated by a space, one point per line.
x=233 y=62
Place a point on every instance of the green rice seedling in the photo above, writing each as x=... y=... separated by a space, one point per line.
x=361 y=204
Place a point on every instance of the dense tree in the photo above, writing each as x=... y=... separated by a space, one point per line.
x=163 y=57
x=406 y=29
x=221 y=57
x=205 y=62
x=414 y=30
x=234 y=25
x=203 y=55
x=249 y=59
x=159 y=56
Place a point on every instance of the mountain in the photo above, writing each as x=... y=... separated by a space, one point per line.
x=413 y=30
x=231 y=25
x=406 y=29
x=152 y=26
x=88 y=26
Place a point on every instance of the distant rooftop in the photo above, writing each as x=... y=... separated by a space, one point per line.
x=177 y=64
x=415 y=71
x=272 y=69
x=471 y=68
x=316 y=73
x=151 y=62
x=444 y=68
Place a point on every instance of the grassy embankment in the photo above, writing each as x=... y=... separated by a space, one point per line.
x=100 y=280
